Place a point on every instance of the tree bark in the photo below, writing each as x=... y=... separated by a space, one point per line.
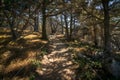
x=11 y=25
x=66 y=26
x=71 y=29
x=107 y=46
x=14 y=36
x=36 y=21
x=44 y=34
x=62 y=24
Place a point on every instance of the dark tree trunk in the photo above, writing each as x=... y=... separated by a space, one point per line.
x=62 y=24
x=51 y=25
x=36 y=21
x=107 y=46
x=62 y=30
x=11 y=25
x=44 y=34
x=14 y=36
x=0 y=2
x=71 y=29
x=53 y=28
x=66 y=27
x=74 y=24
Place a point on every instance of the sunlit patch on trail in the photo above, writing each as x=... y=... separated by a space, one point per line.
x=58 y=65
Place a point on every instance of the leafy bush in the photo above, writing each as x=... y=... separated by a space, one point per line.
x=87 y=68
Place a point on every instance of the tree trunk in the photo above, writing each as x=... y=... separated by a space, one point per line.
x=36 y=22
x=107 y=46
x=51 y=25
x=14 y=36
x=66 y=27
x=62 y=24
x=74 y=24
x=44 y=34
x=71 y=29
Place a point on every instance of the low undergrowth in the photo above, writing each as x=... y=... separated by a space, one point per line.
x=20 y=59
x=90 y=61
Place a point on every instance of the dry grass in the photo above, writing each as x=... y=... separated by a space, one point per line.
x=17 y=58
x=82 y=49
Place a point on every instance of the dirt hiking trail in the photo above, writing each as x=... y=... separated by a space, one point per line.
x=57 y=65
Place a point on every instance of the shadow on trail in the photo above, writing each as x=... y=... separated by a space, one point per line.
x=58 y=64
x=18 y=59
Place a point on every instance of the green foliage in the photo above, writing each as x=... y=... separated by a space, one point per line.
x=32 y=77
x=43 y=52
x=36 y=63
x=87 y=67
x=88 y=75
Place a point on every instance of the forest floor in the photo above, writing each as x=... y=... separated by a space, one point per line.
x=30 y=58
x=58 y=64
x=19 y=59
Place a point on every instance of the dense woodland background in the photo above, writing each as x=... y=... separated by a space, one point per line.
x=90 y=28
